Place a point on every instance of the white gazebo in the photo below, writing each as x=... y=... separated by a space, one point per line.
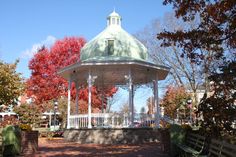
x=113 y=57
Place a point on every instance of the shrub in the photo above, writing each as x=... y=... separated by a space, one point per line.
x=11 y=140
x=25 y=127
x=28 y=114
x=186 y=127
x=9 y=120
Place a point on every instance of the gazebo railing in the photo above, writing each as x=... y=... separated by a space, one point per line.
x=98 y=120
x=111 y=120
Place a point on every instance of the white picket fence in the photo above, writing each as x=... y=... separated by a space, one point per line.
x=110 y=120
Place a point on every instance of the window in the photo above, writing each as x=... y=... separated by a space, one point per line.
x=109 y=21
x=113 y=21
x=110 y=47
x=118 y=22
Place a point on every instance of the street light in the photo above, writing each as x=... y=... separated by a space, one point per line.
x=189 y=102
x=55 y=108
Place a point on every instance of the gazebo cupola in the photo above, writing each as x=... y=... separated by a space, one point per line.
x=114 y=19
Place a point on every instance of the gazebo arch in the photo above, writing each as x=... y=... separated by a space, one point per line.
x=113 y=57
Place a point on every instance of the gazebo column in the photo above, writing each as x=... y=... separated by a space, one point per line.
x=68 y=103
x=77 y=98
x=90 y=84
x=131 y=97
x=102 y=100
x=156 y=102
x=77 y=104
x=89 y=99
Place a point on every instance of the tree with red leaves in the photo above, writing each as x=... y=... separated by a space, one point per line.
x=44 y=83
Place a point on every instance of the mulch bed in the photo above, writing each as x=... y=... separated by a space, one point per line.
x=57 y=147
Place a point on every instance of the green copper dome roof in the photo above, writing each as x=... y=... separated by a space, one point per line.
x=113 y=43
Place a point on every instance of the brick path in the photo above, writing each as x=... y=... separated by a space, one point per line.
x=60 y=148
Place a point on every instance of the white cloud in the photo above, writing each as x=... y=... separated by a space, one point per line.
x=29 y=53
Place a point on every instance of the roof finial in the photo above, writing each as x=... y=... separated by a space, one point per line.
x=114 y=9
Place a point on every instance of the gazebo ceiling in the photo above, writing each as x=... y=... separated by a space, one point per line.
x=113 y=72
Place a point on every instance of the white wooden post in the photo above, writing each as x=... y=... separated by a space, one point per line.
x=106 y=116
x=77 y=98
x=90 y=84
x=68 y=103
x=89 y=99
x=112 y=121
x=76 y=104
x=131 y=104
x=102 y=100
x=50 y=119
x=124 y=120
x=156 y=101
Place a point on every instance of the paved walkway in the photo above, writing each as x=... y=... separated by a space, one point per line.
x=60 y=148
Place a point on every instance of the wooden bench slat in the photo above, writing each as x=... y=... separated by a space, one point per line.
x=191 y=142
x=201 y=142
x=214 y=146
x=197 y=136
x=227 y=152
x=199 y=145
x=215 y=152
x=231 y=146
x=189 y=149
x=215 y=141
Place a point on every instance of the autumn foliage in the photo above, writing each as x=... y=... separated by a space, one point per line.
x=44 y=83
x=11 y=84
x=219 y=108
x=173 y=99
x=28 y=114
x=215 y=33
x=215 y=30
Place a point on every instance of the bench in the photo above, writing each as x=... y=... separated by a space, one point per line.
x=221 y=149
x=193 y=145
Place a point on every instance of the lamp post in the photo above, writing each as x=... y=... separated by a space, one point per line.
x=189 y=102
x=55 y=108
x=177 y=115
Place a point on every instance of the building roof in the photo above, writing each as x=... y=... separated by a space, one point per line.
x=111 y=57
x=124 y=45
x=114 y=13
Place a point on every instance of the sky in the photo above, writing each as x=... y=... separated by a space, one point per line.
x=26 y=25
